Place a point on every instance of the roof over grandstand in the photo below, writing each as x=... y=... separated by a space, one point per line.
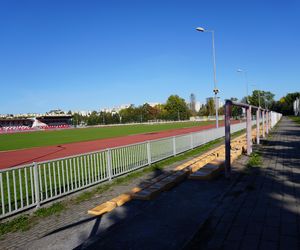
x=54 y=116
x=14 y=119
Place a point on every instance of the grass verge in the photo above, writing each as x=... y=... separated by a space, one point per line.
x=56 y=208
x=295 y=119
x=21 y=223
x=25 y=222
x=254 y=160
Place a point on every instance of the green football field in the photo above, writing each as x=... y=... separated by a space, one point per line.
x=56 y=137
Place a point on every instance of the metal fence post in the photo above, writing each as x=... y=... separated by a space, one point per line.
x=148 y=153
x=257 y=125
x=263 y=124
x=36 y=184
x=228 y=107
x=249 y=127
x=109 y=165
x=267 y=121
x=174 y=145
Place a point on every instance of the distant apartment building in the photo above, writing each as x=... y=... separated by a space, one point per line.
x=198 y=106
x=115 y=109
x=82 y=112
x=56 y=112
x=153 y=104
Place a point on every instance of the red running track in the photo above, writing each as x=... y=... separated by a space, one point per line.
x=23 y=156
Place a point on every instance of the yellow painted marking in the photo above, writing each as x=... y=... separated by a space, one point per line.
x=122 y=199
x=103 y=208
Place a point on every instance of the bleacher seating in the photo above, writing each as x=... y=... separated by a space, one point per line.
x=45 y=122
x=55 y=127
x=13 y=129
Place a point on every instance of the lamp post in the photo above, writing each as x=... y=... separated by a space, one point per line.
x=246 y=80
x=215 y=90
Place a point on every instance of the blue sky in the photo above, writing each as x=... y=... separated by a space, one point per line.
x=86 y=55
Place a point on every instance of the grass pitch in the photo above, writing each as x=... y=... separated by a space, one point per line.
x=56 y=137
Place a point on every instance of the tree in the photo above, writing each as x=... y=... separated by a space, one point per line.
x=211 y=107
x=130 y=114
x=177 y=108
x=203 y=111
x=102 y=117
x=285 y=104
x=221 y=111
x=148 y=112
x=112 y=118
x=162 y=113
x=76 y=119
x=236 y=111
x=244 y=100
x=264 y=98
x=93 y=119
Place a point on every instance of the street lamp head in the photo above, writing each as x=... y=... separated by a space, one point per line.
x=216 y=91
x=239 y=70
x=200 y=29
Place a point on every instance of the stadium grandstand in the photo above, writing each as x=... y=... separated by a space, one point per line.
x=297 y=107
x=53 y=121
x=12 y=124
x=45 y=122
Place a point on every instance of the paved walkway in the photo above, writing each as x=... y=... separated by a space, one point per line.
x=262 y=210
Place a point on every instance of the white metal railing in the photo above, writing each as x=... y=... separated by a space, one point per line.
x=31 y=185
x=296 y=106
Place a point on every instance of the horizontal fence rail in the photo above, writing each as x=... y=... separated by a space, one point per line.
x=31 y=185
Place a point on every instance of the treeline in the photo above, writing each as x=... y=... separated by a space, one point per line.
x=174 y=109
x=264 y=99
x=285 y=105
x=209 y=109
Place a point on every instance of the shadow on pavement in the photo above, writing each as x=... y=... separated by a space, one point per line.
x=262 y=210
